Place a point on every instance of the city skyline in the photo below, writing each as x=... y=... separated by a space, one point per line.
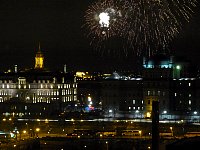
x=57 y=25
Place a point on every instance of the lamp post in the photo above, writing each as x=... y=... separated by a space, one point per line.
x=171 y=128
x=37 y=131
x=106 y=145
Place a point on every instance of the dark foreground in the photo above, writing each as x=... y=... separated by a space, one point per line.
x=91 y=144
x=62 y=143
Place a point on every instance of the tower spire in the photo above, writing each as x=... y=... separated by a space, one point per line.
x=39 y=50
x=39 y=59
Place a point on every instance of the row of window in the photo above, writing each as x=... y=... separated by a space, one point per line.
x=36 y=86
x=155 y=93
x=44 y=99
x=135 y=108
x=40 y=92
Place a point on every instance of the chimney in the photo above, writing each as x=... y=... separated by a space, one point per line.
x=65 y=68
x=15 y=68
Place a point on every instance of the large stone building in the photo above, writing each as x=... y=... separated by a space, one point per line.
x=163 y=78
x=36 y=92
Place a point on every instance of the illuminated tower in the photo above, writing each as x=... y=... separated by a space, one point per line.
x=39 y=59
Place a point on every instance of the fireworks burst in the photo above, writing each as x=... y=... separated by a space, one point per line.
x=146 y=25
x=152 y=24
x=103 y=20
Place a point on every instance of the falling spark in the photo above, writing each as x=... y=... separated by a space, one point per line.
x=146 y=26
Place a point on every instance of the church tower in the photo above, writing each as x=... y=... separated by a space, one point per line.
x=39 y=59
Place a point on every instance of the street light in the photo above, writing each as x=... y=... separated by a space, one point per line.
x=171 y=128
x=37 y=131
x=106 y=145
x=140 y=132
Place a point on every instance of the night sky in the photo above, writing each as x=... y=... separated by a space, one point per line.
x=57 y=25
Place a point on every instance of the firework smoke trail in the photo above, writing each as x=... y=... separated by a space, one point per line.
x=146 y=25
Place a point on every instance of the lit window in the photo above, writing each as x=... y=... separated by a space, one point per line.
x=158 y=93
x=133 y=101
x=190 y=102
x=75 y=91
x=148 y=93
x=190 y=95
x=163 y=93
x=175 y=94
x=189 y=84
x=75 y=98
x=129 y=108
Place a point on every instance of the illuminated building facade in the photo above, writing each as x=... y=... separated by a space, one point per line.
x=167 y=80
x=36 y=92
x=39 y=92
x=164 y=79
x=39 y=59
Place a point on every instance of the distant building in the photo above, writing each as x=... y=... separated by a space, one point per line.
x=36 y=92
x=40 y=92
x=163 y=78
x=168 y=81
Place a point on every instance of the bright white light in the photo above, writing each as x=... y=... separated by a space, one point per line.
x=89 y=98
x=104 y=19
x=164 y=112
x=178 y=67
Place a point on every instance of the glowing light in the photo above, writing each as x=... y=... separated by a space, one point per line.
x=140 y=132
x=148 y=114
x=104 y=19
x=164 y=112
x=178 y=67
x=37 y=129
